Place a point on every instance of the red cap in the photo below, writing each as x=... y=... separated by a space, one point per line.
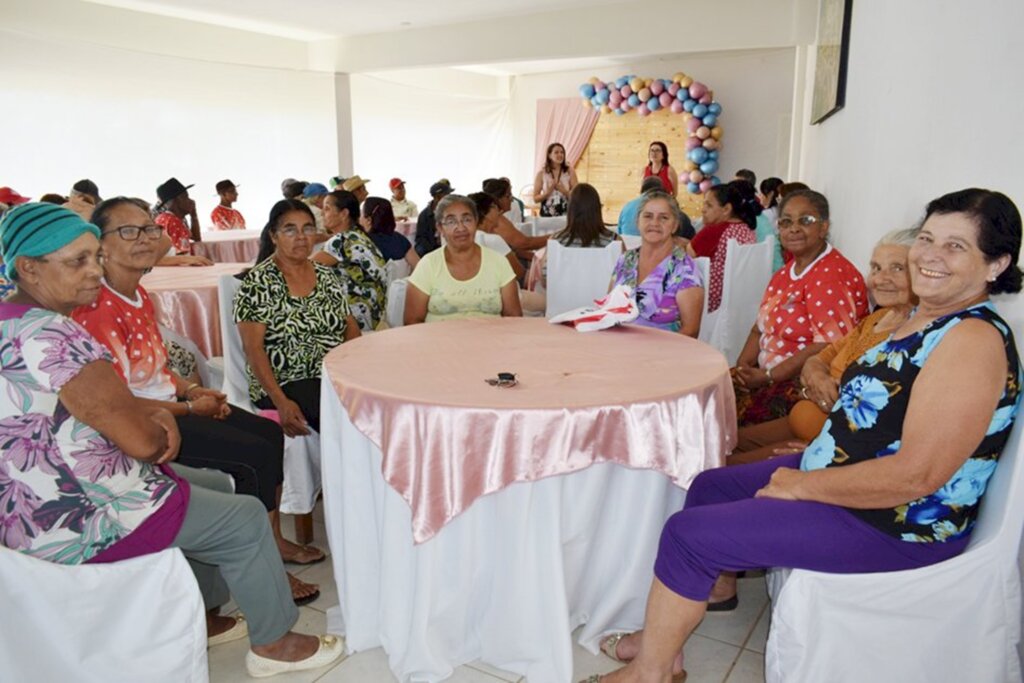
x=395 y=182
x=10 y=197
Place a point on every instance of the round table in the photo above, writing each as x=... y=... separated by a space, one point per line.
x=186 y=301
x=435 y=482
x=229 y=246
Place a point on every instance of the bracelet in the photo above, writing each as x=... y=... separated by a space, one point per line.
x=188 y=405
x=768 y=374
x=189 y=388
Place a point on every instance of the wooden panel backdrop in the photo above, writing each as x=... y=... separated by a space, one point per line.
x=614 y=160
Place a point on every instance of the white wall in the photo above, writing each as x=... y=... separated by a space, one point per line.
x=755 y=88
x=130 y=120
x=408 y=125
x=933 y=104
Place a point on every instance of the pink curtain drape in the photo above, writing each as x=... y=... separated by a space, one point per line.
x=566 y=121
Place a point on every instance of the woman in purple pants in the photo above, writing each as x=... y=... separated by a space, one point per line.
x=895 y=477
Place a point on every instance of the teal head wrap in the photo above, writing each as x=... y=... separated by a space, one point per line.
x=38 y=229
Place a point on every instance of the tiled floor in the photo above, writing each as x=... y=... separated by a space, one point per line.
x=727 y=648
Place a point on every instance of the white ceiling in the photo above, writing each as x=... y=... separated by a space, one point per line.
x=323 y=19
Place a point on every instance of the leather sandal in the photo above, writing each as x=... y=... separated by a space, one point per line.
x=330 y=650
x=610 y=645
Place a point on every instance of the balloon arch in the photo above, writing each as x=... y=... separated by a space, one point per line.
x=680 y=95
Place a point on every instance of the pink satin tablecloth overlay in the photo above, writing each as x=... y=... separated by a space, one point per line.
x=635 y=396
x=229 y=246
x=185 y=298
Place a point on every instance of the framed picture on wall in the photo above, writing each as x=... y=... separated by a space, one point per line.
x=830 y=67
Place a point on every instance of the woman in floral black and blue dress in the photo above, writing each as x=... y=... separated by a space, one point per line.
x=895 y=478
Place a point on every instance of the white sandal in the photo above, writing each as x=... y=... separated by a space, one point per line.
x=330 y=650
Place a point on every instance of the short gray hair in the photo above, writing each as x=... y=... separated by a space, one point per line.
x=902 y=237
x=452 y=199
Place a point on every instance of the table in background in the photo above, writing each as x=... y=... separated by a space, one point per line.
x=185 y=298
x=407 y=227
x=229 y=246
x=474 y=522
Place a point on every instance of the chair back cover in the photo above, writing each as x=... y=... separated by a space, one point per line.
x=236 y=381
x=578 y=275
x=395 y=270
x=748 y=268
x=123 y=622
x=395 y=312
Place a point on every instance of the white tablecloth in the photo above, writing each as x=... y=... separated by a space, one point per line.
x=506 y=582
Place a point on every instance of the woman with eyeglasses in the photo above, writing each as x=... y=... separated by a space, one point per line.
x=463 y=279
x=290 y=312
x=214 y=434
x=818 y=298
x=355 y=259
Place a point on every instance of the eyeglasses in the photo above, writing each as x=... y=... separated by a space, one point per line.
x=803 y=221
x=292 y=231
x=467 y=221
x=130 y=233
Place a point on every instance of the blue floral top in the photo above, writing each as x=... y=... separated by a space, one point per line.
x=867 y=422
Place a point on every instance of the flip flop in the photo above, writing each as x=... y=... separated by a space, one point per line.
x=727 y=605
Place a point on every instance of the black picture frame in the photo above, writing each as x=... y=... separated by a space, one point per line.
x=832 y=58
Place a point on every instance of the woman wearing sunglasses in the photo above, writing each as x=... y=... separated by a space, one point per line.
x=815 y=300
x=462 y=280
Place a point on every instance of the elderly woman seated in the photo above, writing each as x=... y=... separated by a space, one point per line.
x=815 y=300
x=462 y=280
x=896 y=476
x=103 y=468
x=665 y=280
x=213 y=434
x=888 y=284
x=290 y=312
x=355 y=259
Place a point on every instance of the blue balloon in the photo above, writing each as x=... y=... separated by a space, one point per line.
x=709 y=120
x=618 y=112
x=587 y=90
x=653 y=104
x=713 y=154
x=595 y=100
x=700 y=111
x=715 y=180
x=709 y=167
x=619 y=82
x=603 y=95
x=715 y=108
x=692 y=188
x=698 y=155
x=634 y=100
x=682 y=94
x=688 y=104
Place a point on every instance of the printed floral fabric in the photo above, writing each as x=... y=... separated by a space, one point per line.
x=66 y=492
x=362 y=270
x=6 y=286
x=656 y=295
x=300 y=329
x=867 y=423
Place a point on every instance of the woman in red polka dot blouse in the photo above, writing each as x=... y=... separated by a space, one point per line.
x=813 y=301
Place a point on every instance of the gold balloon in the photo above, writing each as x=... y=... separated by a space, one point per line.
x=685 y=82
x=636 y=84
x=605 y=109
x=586 y=102
x=594 y=80
x=716 y=132
x=678 y=76
x=689 y=166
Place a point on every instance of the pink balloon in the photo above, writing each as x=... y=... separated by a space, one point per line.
x=697 y=90
x=676 y=106
x=673 y=89
x=696 y=176
x=644 y=111
x=703 y=132
x=657 y=87
x=710 y=143
x=706 y=98
x=693 y=124
x=614 y=98
x=624 y=105
x=600 y=86
x=666 y=99
x=625 y=91
x=705 y=185
x=692 y=143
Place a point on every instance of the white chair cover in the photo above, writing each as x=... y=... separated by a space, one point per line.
x=136 y=620
x=395 y=312
x=578 y=275
x=632 y=241
x=301 y=454
x=959 y=620
x=396 y=270
x=706 y=318
x=748 y=268
x=547 y=225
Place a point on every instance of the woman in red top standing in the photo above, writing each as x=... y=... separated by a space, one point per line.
x=730 y=213
x=657 y=164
